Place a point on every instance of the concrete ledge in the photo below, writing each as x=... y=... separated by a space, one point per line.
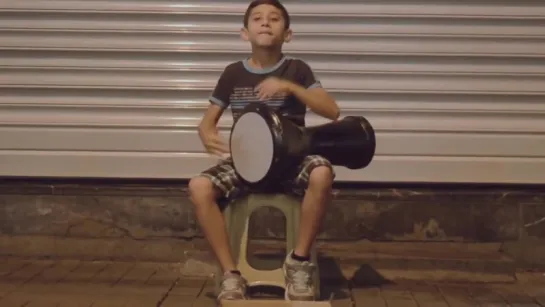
x=153 y=212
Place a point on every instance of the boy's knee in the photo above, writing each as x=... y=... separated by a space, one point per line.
x=321 y=176
x=201 y=188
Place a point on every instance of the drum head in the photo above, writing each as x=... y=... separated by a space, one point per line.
x=252 y=147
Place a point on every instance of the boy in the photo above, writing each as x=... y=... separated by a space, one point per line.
x=288 y=85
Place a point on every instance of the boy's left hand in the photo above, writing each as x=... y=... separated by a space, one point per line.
x=270 y=87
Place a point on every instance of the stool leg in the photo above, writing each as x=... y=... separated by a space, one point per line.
x=291 y=212
x=238 y=229
x=241 y=242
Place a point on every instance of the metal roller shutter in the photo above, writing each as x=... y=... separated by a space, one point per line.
x=456 y=90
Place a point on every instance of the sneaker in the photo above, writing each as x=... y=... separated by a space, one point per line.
x=233 y=287
x=299 y=279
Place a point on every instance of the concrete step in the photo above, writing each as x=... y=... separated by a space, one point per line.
x=362 y=263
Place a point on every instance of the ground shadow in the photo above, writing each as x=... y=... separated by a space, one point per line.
x=367 y=277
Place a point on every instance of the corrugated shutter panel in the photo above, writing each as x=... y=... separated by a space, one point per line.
x=455 y=90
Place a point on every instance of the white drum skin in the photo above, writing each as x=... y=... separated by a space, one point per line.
x=252 y=147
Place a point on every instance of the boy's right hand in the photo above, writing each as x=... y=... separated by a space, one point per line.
x=214 y=144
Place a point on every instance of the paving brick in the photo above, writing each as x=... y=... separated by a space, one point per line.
x=113 y=272
x=74 y=300
x=81 y=289
x=486 y=296
x=7 y=287
x=57 y=272
x=515 y=296
x=164 y=275
x=42 y=301
x=85 y=272
x=398 y=296
x=8 y=265
x=191 y=287
x=38 y=288
x=368 y=297
x=207 y=296
x=28 y=272
x=110 y=301
x=12 y=300
x=143 y=301
x=178 y=300
x=18 y=277
x=131 y=290
x=536 y=292
x=148 y=278
x=427 y=296
x=457 y=296
x=139 y=274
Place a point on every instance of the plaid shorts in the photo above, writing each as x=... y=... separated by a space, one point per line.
x=223 y=176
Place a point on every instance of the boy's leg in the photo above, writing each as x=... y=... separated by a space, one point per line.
x=205 y=190
x=315 y=178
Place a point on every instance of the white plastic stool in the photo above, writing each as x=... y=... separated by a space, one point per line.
x=237 y=217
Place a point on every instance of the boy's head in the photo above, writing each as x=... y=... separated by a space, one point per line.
x=266 y=24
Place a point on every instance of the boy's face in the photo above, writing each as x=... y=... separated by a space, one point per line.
x=266 y=27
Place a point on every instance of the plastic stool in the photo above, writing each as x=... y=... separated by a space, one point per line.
x=237 y=217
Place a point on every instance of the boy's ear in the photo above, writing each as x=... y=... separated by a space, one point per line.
x=288 y=34
x=244 y=33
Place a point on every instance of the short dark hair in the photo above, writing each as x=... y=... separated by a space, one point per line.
x=274 y=3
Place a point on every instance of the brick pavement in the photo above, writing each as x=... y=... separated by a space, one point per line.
x=71 y=283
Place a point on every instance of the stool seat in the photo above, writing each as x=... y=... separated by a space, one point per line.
x=237 y=217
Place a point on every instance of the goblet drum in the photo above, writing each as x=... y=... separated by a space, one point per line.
x=267 y=147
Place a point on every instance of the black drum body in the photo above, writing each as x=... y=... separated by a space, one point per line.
x=266 y=148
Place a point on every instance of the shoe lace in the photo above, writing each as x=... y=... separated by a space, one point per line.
x=301 y=280
x=231 y=284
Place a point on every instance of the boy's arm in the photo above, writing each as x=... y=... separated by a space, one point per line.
x=210 y=119
x=317 y=99
x=312 y=94
x=219 y=101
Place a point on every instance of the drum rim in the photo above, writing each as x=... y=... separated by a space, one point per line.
x=271 y=119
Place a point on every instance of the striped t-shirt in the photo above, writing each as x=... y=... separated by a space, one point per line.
x=236 y=86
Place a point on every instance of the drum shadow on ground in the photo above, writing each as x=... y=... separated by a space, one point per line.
x=367 y=277
x=336 y=280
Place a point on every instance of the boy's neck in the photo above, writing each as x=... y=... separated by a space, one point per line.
x=263 y=58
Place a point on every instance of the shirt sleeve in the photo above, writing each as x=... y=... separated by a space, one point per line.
x=224 y=87
x=307 y=77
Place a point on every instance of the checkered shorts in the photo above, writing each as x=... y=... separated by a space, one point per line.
x=223 y=176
